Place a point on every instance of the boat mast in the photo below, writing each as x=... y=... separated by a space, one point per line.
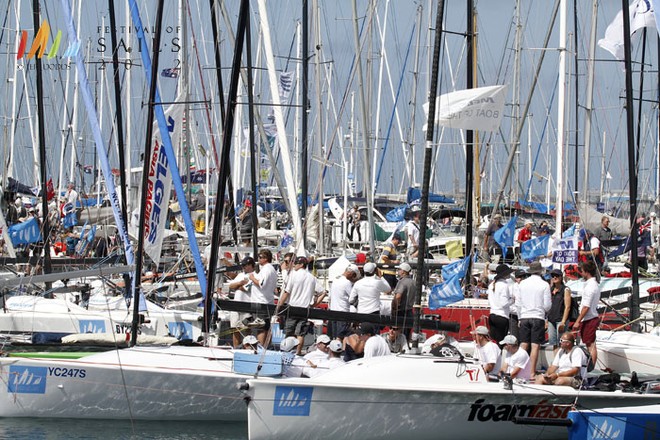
x=428 y=155
x=469 y=139
x=303 y=123
x=561 y=116
x=320 y=237
x=588 y=105
x=45 y=227
x=632 y=168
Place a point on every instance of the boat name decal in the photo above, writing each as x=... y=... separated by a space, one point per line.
x=292 y=401
x=482 y=412
x=26 y=380
x=80 y=373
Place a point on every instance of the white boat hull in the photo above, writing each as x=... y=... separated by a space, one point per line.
x=400 y=397
x=171 y=383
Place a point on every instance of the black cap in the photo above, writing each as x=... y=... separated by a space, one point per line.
x=301 y=260
x=366 y=328
x=556 y=272
x=247 y=261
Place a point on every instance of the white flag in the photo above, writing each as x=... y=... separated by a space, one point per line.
x=641 y=15
x=159 y=184
x=472 y=109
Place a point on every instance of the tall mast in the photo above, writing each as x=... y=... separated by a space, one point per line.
x=561 y=114
x=303 y=128
x=588 y=104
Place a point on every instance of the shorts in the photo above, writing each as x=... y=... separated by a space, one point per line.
x=588 y=331
x=296 y=327
x=532 y=330
x=236 y=319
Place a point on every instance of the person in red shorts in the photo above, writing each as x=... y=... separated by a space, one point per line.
x=587 y=320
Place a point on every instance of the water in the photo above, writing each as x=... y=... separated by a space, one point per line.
x=76 y=429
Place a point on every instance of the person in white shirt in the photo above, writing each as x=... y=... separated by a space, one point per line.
x=320 y=352
x=535 y=302
x=412 y=233
x=587 y=320
x=368 y=290
x=333 y=360
x=516 y=361
x=374 y=345
x=500 y=299
x=486 y=350
x=293 y=365
x=340 y=291
x=242 y=288
x=299 y=292
x=263 y=291
x=568 y=367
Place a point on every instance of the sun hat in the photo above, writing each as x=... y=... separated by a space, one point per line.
x=535 y=268
x=289 y=344
x=502 y=271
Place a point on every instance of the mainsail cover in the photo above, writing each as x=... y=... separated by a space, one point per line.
x=159 y=183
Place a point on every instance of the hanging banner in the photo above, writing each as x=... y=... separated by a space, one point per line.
x=473 y=109
x=159 y=182
x=25 y=232
x=565 y=251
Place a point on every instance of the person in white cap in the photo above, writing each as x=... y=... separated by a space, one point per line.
x=294 y=365
x=340 y=291
x=367 y=291
x=516 y=361
x=250 y=342
x=333 y=360
x=320 y=352
x=486 y=350
x=404 y=296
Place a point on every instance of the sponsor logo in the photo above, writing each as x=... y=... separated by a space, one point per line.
x=180 y=330
x=486 y=412
x=607 y=428
x=92 y=326
x=292 y=401
x=487 y=100
x=27 y=380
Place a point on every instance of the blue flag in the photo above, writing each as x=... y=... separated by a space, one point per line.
x=535 y=247
x=504 y=235
x=396 y=214
x=455 y=269
x=569 y=232
x=25 y=232
x=445 y=293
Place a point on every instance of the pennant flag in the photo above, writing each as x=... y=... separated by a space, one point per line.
x=568 y=232
x=25 y=232
x=456 y=269
x=565 y=251
x=445 y=293
x=641 y=15
x=159 y=184
x=50 y=190
x=454 y=248
x=396 y=214
x=504 y=235
x=472 y=109
x=170 y=73
x=535 y=247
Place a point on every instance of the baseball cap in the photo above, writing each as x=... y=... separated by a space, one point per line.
x=335 y=346
x=556 y=272
x=353 y=268
x=366 y=328
x=289 y=343
x=300 y=260
x=323 y=339
x=250 y=339
x=369 y=268
x=481 y=330
x=509 y=340
x=247 y=261
x=405 y=267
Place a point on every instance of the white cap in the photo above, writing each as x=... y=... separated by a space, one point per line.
x=289 y=343
x=369 y=268
x=323 y=339
x=509 y=340
x=652 y=214
x=335 y=346
x=250 y=339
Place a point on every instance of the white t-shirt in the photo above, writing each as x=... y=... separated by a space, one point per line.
x=267 y=277
x=339 y=293
x=412 y=232
x=301 y=287
x=325 y=366
x=590 y=298
x=500 y=298
x=239 y=294
x=489 y=354
x=296 y=368
x=376 y=346
x=535 y=298
x=574 y=358
x=519 y=359
x=368 y=291
x=316 y=356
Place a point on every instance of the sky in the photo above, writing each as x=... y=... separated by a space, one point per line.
x=389 y=67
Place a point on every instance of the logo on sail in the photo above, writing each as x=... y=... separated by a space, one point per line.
x=92 y=326
x=292 y=401
x=180 y=330
x=27 y=380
